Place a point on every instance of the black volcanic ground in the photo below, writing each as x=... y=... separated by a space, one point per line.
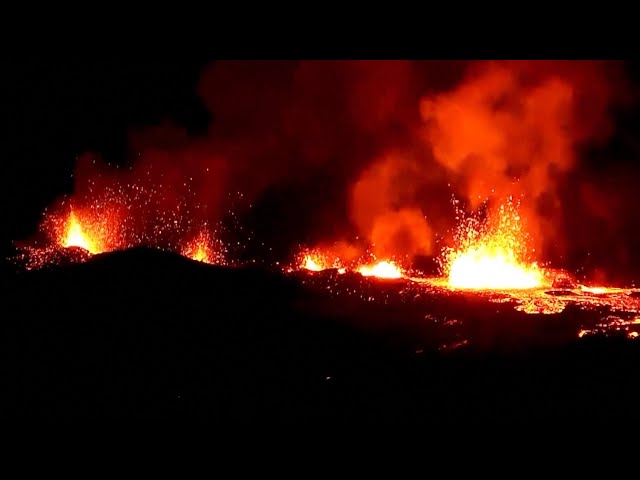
x=149 y=334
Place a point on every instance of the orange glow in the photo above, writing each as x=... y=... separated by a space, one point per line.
x=493 y=257
x=600 y=290
x=76 y=236
x=492 y=267
x=313 y=264
x=317 y=260
x=201 y=249
x=201 y=254
x=383 y=269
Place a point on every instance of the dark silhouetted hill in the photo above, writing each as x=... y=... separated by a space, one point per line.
x=148 y=334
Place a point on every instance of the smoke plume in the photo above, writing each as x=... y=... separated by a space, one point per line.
x=518 y=129
x=366 y=149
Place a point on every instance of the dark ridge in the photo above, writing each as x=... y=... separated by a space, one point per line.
x=149 y=334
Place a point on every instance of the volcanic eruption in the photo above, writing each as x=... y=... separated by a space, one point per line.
x=329 y=240
x=400 y=139
x=493 y=256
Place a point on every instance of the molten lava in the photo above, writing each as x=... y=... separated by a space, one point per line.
x=76 y=236
x=317 y=260
x=313 y=264
x=201 y=249
x=383 y=269
x=493 y=256
x=492 y=267
x=201 y=254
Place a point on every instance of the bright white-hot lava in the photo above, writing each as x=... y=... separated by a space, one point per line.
x=76 y=237
x=493 y=255
x=310 y=264
x=383 y=269
x=484 y=267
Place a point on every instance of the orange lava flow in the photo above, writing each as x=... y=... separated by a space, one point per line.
x=383 y=269
x=493 y=257
x=76 y=236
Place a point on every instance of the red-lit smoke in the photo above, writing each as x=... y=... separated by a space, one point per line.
x=370 y=152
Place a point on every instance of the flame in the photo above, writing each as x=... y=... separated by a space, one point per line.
x=76 y=236
x=382 y=269
x=491 y=257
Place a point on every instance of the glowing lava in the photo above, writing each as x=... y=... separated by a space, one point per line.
x=201 y=254
x=201 y=250
x=383 y=269
x=313 y=264
x=492 y=267
x=317 y=260
x=492 y=257
x=75 y=236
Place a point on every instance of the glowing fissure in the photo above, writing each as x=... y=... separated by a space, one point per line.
x=317 y=261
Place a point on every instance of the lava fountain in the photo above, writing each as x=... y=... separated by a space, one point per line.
x=493 y=256
x=76 y=236
x=202 y=249
x=313 y=264
x=317 y=260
